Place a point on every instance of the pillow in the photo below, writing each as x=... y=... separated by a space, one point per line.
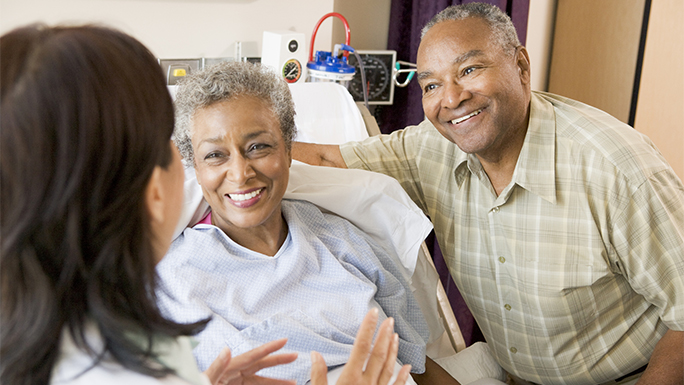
x=326 y=114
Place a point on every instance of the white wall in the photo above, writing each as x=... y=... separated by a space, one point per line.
x=182 y=28
x=210 y=28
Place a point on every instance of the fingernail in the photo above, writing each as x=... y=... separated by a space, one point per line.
x=314 y=357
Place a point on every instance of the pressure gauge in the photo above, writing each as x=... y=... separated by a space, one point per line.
x=378 y=67
x=292 y=70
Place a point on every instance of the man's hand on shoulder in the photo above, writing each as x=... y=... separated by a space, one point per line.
x=318 y=154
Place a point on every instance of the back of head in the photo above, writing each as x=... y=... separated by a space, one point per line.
x=501 y=24
x=226 y=81
x=85 y=119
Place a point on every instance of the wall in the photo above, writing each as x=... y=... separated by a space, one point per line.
x=368 y=22
x=660 y=107
x=540 y=24
x=182 y=28
x=595 y=50
x=210 y=28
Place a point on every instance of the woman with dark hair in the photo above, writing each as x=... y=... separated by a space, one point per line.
x=91 y=192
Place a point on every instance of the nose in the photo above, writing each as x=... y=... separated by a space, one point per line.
x=454 y=94
x=240 y=170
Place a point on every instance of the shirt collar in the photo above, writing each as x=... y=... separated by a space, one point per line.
x=535 y=169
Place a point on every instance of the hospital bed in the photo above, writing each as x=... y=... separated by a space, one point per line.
x=326 y=113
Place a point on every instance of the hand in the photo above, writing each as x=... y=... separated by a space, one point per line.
x=240 y=370
x=383 y=356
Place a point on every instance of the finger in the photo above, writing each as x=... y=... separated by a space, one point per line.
x=390 y=362
x=319 y=370
x=269 y=361
x=220 y=364
x=245 y=360
x=258 y=380
x=364 y=340
x=376 y=362
x=403 y=375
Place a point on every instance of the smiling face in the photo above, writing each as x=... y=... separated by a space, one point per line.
x=241 y=163
x=474 y=93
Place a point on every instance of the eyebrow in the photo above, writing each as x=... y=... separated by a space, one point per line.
x=457 y=60
x=219 y=138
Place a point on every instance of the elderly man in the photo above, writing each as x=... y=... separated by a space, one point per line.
x=561 y=226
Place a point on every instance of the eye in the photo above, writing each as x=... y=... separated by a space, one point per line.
x=429 y=87
x=212 y=155
x=468 y=71
x=258 y=146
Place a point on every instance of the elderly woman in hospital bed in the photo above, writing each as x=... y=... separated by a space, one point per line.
x=264 y=267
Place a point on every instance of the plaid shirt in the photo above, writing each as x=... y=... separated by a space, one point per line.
x=576 y=270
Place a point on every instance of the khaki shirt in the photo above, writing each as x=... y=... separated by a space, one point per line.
x=576 y=270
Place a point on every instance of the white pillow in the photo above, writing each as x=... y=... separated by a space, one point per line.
x=326 y=114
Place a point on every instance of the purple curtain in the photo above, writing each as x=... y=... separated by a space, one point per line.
x=407 y=18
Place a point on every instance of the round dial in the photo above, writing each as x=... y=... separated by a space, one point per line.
x=377 y=78
x=292 y=70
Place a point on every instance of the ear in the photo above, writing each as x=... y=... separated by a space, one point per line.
x=523 y=62
x=154 y=197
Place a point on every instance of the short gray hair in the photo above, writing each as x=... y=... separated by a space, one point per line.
x=227 y=81
x=500 y=24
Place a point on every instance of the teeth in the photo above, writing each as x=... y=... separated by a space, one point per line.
x=462 y=118
x=244 y=197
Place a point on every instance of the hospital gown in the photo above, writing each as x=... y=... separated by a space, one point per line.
x=315 y=291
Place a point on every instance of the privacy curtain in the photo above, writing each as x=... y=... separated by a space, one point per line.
x=407 y=18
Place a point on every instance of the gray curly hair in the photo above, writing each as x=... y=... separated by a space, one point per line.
x=500 y=24
x=226 y=81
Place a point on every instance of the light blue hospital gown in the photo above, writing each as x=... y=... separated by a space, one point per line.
x=315 y=291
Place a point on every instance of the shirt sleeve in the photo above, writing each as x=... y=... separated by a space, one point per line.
x=394 y=155
x=648 y=237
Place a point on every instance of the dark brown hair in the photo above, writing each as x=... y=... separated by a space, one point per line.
x=85 y=117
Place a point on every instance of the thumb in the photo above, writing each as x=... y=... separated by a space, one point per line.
x=319 y=370
x=215 y=370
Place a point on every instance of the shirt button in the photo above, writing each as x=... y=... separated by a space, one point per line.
x=514 y=350
x=495 y=210
x=502 y=259
x=507 y=307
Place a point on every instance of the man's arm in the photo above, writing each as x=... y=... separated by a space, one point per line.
x=318 y=154
x=666 y=365
x=434 y=374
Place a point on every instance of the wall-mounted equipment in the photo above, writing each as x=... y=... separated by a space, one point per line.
x=378 y=67
x=285 y=51
x=176 y=69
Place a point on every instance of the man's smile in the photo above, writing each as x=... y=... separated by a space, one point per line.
x=466 y=117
